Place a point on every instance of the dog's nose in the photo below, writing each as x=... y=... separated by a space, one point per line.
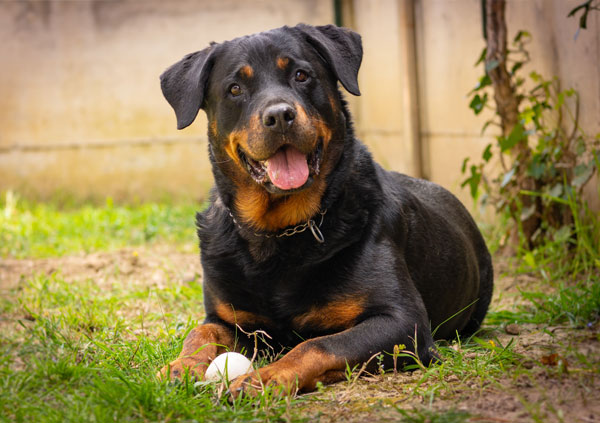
x=279 y=117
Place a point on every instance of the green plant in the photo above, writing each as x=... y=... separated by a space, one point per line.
x=427 y=416
x=585 y=8
x=72 y=351
x=29 y=229
x=545 y=158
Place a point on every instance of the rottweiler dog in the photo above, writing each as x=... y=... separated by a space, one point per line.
x=306 y=238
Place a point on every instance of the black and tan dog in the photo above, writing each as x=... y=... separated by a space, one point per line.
x=306 y=237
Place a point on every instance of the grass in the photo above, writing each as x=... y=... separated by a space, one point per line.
x=424 y=416
x=46 y=230
x=75 y=357
x=576 y=304
x=568 y=264
x=87 y=348
x=476 y=361
x=79 y=350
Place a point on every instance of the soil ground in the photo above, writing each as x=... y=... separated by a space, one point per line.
x=553 y=383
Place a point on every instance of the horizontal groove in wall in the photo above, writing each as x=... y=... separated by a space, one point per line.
x=141 y=142
x=145 y=142
x=456 y=135
x=384 y=132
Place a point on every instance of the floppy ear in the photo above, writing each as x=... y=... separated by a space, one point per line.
x=184 y=85
x=341 y=48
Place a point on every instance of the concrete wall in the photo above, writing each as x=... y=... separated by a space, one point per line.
x=81 y=109
x=448 y=36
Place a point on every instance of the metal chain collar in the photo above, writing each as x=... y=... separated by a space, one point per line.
x=310 y=224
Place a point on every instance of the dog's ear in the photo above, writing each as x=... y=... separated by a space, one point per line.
x=341 y=48
x=184 y=85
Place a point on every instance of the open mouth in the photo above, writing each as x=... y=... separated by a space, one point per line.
x=287 y=170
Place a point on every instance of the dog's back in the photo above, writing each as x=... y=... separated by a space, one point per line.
x=440 y=230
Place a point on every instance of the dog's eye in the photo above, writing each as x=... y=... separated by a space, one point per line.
x=235 y=90
x=301 y=76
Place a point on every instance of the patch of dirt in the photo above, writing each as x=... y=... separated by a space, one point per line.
x=152 y=267
x=540 y=395
x=148 y=265
x=556 y=380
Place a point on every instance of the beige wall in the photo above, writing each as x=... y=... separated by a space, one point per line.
x=448 y=43
x=379 y=112
x=81 y=109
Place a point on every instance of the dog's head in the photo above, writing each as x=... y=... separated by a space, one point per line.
x=276 y=120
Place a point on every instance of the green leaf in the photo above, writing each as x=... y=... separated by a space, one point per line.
x=516 y=67
x=473 y=181
x=581 y=147
x=537 y=167
x=527 y=115
x=478 y=103
x=464 y=165
x=491 y=65
x=487 y=153
x=556 y=191
x=563 y=234
x=536 y=77
x=583 y=20
x=481 y=56
x=520 y=35
x=537 y=113
x=515 y=136
x=483 y=82
x=485 y=125
x=559 y=101
x=529 y=259
x=583 y=172
x=581 y=6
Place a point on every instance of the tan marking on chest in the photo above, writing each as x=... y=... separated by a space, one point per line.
x=338 y=314
x=264 y=212
x=227 y=313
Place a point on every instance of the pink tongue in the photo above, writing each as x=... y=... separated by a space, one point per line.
x=288 y=168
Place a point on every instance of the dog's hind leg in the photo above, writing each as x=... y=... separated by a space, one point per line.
x=486 y=288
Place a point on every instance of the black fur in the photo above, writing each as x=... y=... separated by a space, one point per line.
x=405 y=249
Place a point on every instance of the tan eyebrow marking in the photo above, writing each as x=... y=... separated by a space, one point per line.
x=247 y=71
x=282 y=62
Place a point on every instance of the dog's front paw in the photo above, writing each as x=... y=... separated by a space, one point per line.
x=280 y=379
x=179 y=368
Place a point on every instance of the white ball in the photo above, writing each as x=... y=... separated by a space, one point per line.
x=230 y=364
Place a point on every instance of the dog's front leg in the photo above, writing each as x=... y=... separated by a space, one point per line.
x=325 y=359
x=200 y=347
